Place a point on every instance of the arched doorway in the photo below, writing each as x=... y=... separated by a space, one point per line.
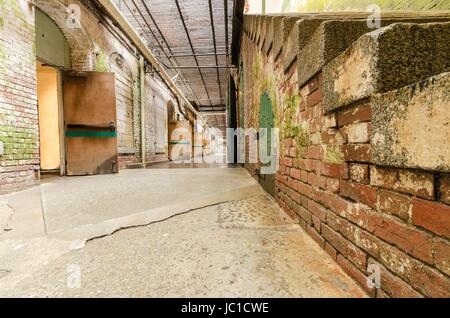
x=53 y=54
x=77 y=121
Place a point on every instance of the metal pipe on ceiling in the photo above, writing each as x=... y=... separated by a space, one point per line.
x=191 y=45
x=225 y=5
x=155 y=37
x=211 y=16
x=122 y=22
x=198 y=67
x=198 y=54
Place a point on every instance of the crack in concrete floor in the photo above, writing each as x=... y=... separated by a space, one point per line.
x=235 y=243
x=193 y=255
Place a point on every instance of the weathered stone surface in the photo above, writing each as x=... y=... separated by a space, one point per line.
x=411 y=126
x=281 y=34
x=273 y=32
x=301 y=33
x=386 y=59
x=331 y=39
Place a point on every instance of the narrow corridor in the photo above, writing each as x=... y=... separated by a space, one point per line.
x=224 y=148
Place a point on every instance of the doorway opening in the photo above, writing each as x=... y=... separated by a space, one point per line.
x=49 y=95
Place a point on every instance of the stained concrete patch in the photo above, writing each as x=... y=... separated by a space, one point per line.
x=254 y=213
x=6 y=213
x=74 y=202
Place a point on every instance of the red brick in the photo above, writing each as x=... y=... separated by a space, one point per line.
x=293 y=152
x=317 y=180
x=287 y=142
x=442 y=255
x=304 y=176
x=293 y=184
x=312 y=86
x=332 y=137
x=360 y=238
x=331 y=250
x=288 y=162
x=303 y=115
x=346 y=248
x=310 y=165
x=303 y=213
x=337 y=204
x=333 y=221
x=356 y=274
x=333 y=185
x=415 y=183
x=432 y=216
x=336 y=171
x=395 y=204
x=359 y=172
x=316 y=236
x=412 y=241
x=314 y=98
x=359 y=192
x=444 y=188
x=423 y=278
x=305 y=189
x=357 y=114
x=330 y=121
x=315 y=152
x=294 y=173
x=357 y=152
x=393 y=285
x=317 y=210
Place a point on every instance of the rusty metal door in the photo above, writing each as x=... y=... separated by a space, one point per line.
x=90 y=123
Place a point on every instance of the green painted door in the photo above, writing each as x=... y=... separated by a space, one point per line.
x=267 y=181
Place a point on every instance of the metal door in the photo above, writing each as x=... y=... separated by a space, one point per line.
x=90 y=123
x=267 y=181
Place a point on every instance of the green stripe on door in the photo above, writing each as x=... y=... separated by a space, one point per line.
x=176 y=142
x=92 y=134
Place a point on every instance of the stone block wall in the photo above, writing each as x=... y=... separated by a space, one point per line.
x=364 y=130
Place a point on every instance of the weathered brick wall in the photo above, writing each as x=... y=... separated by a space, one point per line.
x=94 y=47
x=338 y=128
x=18 y=98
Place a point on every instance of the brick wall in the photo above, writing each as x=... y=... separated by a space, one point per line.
x=332 y=178
x=18 y=98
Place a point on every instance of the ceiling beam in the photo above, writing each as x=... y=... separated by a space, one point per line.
x=128 y=30
x=211 y=16
x=188 y=88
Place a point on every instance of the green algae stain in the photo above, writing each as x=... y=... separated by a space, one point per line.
x=333 y=155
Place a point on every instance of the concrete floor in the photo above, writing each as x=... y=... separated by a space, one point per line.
x=160 y=233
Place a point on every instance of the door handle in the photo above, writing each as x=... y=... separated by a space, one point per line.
x=110 y=125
